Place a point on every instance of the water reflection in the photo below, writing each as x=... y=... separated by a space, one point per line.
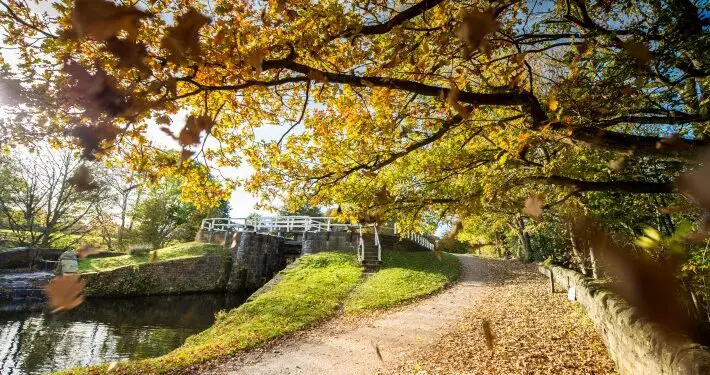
x=104 y=330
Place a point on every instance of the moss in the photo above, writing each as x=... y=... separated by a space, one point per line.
x=404 y=276
x=179 y=251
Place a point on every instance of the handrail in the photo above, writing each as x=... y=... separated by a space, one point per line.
x=360 y=247
x=378 y=244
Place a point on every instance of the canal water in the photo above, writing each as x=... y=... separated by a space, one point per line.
x=105 y=330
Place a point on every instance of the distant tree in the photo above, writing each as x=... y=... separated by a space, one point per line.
x=44 y=195
x=164 y=216
x=116 y=209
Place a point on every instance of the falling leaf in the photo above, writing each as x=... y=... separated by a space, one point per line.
x=552 y=103
x=163 y=120
x=475 y=27
x=452 y=98
x=618 y=164
x=186 y=154
x=94 y=92
x=487 y=333
x=82 y=180
x=130 y=53
x=437 y=254
x=154 y=256
x=65 y=292
x=112 y=366
x=674 y=141
x=695 y=183
x=383 y=196
x=101 y=19
x=377 y=351
x=639 y=51
x=533 y=206
x=86 y=250
x=182 y=41
x=194 y=126
x=317 y=76
x=648 y=285
x=219 y=38
x=255 y=58
x=91 y=137
x=582 y=48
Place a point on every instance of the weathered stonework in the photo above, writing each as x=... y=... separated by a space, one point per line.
x=255 y=259
x=199 y=274
x=348 y=241
x=635 y=344
x=24 y=257
x=315 y=242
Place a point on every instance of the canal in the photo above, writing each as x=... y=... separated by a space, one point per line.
x=105 y=330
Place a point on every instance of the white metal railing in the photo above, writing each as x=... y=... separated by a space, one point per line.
x=275 y=224
x=294 y=224
x=360 y=247
x=420 y=240
x=378 y=244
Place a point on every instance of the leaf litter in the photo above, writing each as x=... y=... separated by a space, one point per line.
x=519 y=327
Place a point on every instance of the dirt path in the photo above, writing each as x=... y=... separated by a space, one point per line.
x=410 y=338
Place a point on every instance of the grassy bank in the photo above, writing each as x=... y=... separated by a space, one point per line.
x=309 y=292
x=183 y=250
x=404 y=276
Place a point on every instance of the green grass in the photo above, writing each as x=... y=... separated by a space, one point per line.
x=309 y=292
x=183 y=250
x=404 y=276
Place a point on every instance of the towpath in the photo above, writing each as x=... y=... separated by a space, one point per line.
x=533 y=332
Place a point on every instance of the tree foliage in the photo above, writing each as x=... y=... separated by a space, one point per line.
x=511 y=116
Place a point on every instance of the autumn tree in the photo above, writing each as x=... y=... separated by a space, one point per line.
x=412 y=109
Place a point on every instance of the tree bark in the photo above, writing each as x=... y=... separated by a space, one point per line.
x=524 y=237
x=578 y=255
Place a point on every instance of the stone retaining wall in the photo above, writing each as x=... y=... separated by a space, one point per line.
x=315 y=242
x=635 y=344
x=199 y=274
x=255 y=259
x=23 y=257
x=348 y=241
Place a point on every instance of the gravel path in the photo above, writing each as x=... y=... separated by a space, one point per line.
x=408 y=339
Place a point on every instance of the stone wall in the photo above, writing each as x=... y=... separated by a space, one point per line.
x=199 y=274
x=23 y=257
x=635 y=344
x=348 y=241
x=315 y=242
x=255 y=260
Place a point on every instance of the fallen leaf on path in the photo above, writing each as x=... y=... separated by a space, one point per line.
x=487 y=334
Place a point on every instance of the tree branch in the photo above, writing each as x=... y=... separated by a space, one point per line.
x=638 y=187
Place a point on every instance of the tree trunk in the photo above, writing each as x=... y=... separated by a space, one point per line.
x=578 y=255
x=526 y=247
x=593 y=262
